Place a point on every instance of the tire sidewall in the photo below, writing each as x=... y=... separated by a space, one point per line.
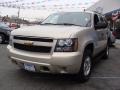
x=82 y=77
x=109 y=42
x=106 y=52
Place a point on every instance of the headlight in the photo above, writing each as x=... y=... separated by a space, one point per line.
x=67 y=45
x=10 y=40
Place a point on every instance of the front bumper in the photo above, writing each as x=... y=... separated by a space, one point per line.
x=51 y=63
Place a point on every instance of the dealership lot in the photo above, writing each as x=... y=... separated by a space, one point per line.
x=105 y=76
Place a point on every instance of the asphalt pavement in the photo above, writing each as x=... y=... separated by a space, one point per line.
x=105 y=75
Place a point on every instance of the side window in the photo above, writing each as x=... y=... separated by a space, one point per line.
x=105 y=20
x=102 y=19
x=96 y=19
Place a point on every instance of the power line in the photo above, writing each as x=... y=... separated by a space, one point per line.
x=11 y=2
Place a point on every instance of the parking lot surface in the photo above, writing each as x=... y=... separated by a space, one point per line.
x=105 y=75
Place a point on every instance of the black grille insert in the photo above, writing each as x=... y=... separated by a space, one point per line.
x=30 y=38
x=41 y=49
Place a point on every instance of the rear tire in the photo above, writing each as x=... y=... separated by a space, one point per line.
x=2 y=38
x=110 y=43
x=85 y=70
x=106 y=52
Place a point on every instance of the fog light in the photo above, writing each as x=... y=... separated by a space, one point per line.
x=13 y=61
x=63 y=70
x=44 y=68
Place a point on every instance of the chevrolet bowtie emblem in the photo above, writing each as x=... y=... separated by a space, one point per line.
x=28 y=43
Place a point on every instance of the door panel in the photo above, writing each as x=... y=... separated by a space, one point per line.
x=101 y=34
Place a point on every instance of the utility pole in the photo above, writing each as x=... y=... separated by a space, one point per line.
x=18 y=11
x=18 y=21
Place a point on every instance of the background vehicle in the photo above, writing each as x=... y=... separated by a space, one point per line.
x=116 y=33
x=64 y=43
x=4 y=32
x=14 y=25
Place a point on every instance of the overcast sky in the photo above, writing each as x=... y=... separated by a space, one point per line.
x=32 y=14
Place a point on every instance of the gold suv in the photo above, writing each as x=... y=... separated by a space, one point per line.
x=64 y=43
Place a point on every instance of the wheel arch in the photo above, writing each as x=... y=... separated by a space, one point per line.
x=89 y=45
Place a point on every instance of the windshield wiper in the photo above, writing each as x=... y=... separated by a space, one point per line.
x=60 y=24
x=68 y=24
x=47 y=24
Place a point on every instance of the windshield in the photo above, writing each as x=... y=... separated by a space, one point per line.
x=2 y=25
x=69 y=18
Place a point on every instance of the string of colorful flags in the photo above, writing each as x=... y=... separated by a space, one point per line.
x=29 y=3
x=38 y=5
x=44 y=6
x=11 y=2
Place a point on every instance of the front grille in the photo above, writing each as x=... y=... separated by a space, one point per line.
x=30 y=38
x=41 y=49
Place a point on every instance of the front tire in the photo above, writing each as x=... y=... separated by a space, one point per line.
x=86 y=67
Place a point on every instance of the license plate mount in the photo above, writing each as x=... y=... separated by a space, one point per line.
x=29 y=67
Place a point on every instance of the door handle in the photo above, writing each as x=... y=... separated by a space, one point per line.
x=102 y=34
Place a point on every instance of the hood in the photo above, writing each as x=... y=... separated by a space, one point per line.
x=6 y=28
x=52 y=31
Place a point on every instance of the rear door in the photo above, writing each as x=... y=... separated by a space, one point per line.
x=104 y=33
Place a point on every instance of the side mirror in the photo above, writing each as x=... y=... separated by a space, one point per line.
x=101 y=25
x=111 y=29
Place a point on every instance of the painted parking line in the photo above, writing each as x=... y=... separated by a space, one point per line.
x=38 y=77
x=105 y=77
